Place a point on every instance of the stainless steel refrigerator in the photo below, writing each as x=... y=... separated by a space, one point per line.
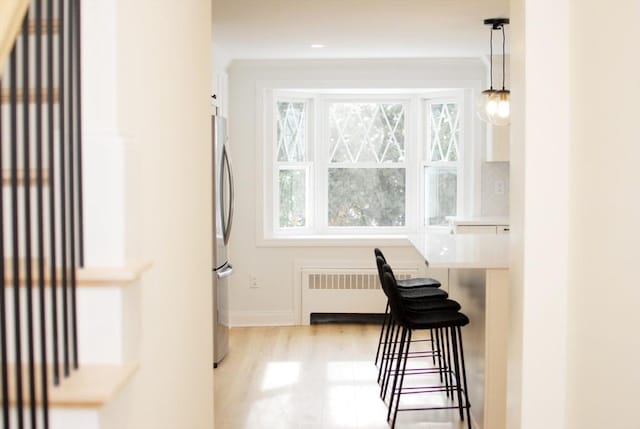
x=223 y=202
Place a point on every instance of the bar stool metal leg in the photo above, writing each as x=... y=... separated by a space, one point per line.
x=386 y=348
x=439 y=347
x=433 y=351
x=387 y=316
x=404 y=357
x=454 y=341
x=464 y=379
x=389 y=363
x=449 y=368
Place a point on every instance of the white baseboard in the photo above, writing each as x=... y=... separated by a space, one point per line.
x=262 y=318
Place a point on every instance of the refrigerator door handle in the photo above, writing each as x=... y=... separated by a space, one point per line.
x=226 y=272
x=229 y=220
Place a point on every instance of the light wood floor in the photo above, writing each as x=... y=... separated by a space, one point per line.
x=308 y=377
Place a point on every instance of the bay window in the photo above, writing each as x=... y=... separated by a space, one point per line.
x=366 y=164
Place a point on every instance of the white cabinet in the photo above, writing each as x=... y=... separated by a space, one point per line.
x=503 y=229
x=478 y=225
x=474 y=229
x=498 y=143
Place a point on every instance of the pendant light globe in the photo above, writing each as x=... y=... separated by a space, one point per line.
x=493 y=105
x=498 y=108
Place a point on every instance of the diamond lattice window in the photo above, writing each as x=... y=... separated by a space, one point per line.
x=352 y=162
x=293 y=174
x=366 y=132
x=291 y=128
x=442 y=163
x=367 y=177
x=445 y=132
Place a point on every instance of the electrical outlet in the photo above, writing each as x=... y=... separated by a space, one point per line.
x=498 y=187
x=254 y=283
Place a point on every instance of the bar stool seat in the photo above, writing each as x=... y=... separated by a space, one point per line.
x=421 y=306
x=417 y=282
x=423 y=293
x=434 y=319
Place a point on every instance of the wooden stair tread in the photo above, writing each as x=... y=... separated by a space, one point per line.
x=90 y=386
x=45 y=25
x=5 y=97
x=99 y=276
x=33 y=176
x=89 y=276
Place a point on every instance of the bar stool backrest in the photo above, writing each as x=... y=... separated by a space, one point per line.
x=378 y=252
x=383 y=267
x=379 y=263
x=390 y=288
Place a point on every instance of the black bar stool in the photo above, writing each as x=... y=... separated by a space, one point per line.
x=412 y=288
x=408 y=321
x=417 y=299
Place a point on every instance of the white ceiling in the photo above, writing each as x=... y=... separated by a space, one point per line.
x=258 y=29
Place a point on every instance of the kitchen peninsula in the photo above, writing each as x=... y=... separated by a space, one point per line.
x=478 y=278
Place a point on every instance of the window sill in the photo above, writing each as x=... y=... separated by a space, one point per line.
x=396 y=240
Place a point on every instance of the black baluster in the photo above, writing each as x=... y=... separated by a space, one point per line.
x=3 y=313
x=63 y=182
x=26 y=163
x=44 y=398
x=52 y=194
x=13 y=109
x=78 y=39
x=71 y=164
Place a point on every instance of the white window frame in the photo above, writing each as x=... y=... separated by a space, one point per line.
x=459 y=165
x=323 y=165
x=269 y=233
x=307 y=166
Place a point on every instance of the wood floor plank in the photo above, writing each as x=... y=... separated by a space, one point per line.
x=308 y=377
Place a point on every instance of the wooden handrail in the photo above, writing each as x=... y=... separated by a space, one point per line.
x=12 y=13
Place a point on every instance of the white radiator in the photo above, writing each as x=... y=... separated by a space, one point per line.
x=340 y=289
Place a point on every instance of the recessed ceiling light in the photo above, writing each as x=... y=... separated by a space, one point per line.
x=317 y=46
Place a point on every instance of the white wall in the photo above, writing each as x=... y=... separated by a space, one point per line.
x=163 y=89
x=273 y=267
x=539 y=214
x=574 y=201
x=603 y=316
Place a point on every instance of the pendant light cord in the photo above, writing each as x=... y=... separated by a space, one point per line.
x=491 y=59
x=503 y=56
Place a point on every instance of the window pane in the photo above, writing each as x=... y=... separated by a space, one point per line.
x=367 y=197
x=292 y=198
x=445 y=132
x=366 y=132
x=291 y=127
x=441 y=185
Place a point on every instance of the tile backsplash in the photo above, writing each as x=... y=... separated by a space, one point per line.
x=495 y=189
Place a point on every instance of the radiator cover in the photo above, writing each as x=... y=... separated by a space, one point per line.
x=338 y=289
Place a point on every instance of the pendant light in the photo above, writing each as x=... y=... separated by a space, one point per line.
x=494 y=104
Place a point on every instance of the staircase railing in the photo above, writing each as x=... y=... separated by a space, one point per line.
x=41 y=217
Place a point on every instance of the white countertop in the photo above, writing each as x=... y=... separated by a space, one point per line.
x=486 y=220
x=441 y=250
